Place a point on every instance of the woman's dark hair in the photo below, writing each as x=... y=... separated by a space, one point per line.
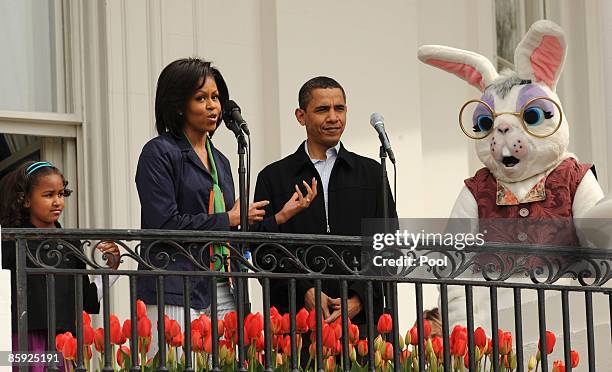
x=176 y=85
x=16 y=186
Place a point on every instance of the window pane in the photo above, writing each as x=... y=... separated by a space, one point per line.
x=32 y=67
x=16 y=149
x=508 y=33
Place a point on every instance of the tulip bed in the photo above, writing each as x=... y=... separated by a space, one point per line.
x=201 y=345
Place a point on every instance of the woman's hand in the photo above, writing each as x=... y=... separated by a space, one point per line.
x=112 y=254
x=297 y=202
x=256 y=212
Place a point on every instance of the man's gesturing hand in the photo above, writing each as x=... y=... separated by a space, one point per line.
x=297 y=202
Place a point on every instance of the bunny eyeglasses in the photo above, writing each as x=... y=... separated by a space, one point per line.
x=540 y=117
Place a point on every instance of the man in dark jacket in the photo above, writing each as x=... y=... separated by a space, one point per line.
x=322 y=188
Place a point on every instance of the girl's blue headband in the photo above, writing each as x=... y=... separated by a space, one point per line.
x=35 y=166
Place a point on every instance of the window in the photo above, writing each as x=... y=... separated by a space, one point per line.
x=39 y=75
x=512 y=20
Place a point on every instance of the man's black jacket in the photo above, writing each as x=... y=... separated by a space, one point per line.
x=354 y=192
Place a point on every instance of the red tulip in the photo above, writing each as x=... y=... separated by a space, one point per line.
x=286 y=345
x=458 y=341
x=202 y=324
x=436 y=344
x=220 y=327
x=125 y=350
x=414 y=336
x=337 y=328
x=550 y=342
x=207 y=344
x=253 y=326
x=172 y=329
x=404 y=356
x=276 y=323
x=196 y=341
x=274 y=311
x=338 y=348
x=88 y=353
x=388 y=352
x=127 y=329
x=362 y=347
x=177 y=341
x=141 y=309
x=206 y=322
x=466 y=360
x=353 y=333
x=301 y=321
x=426 y=329
x=312 y=320
x=330 y=364
x=575 y=358
x=60 y=340
x=144 y=327
x=480 y=338
x=99 y=340
x=259 y=343
x=231 y=336
x=69 y=347
x=505 y=342
x=231 y=322
x=88 y=335
x=329 y=336
x=558 y=366
x=285 y=324
x=117 y=337
x=277 y=342
x=385 y=324
x=86 y=318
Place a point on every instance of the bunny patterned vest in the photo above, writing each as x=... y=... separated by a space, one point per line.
x=544 y=216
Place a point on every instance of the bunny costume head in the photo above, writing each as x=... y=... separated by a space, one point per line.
x=518 y=122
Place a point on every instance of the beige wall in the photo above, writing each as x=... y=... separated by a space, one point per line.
x=266 y=49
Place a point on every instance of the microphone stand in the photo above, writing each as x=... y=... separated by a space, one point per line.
x=244 y=211
x=383 y=167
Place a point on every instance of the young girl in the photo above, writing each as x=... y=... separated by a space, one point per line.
x=32 y=196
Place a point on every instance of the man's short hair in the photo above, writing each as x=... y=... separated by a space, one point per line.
x=319 y=82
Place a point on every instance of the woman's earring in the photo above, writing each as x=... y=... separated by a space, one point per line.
x=180 y=114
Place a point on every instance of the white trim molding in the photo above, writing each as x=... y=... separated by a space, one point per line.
x=44 y=124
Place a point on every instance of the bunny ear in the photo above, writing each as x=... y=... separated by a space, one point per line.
x=477 y=70
x=541 y=53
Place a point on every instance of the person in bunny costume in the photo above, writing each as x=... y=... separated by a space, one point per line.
x=521 y=135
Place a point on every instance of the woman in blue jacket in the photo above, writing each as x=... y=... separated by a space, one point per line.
x=185 y=183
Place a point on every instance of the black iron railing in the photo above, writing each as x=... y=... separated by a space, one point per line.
x=309 y=257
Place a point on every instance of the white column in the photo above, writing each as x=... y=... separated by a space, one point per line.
x=5 y=306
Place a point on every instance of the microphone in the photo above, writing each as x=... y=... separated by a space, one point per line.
x=232 y=113
x=233 y=126
x=378 y=122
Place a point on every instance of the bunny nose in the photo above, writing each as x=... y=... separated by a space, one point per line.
x=503 y=128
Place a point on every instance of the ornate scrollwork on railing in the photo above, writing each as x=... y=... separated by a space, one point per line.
x=311 y=256
x=51 y=253
x=498 y=265
x=320 y=258
x=270 y=257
